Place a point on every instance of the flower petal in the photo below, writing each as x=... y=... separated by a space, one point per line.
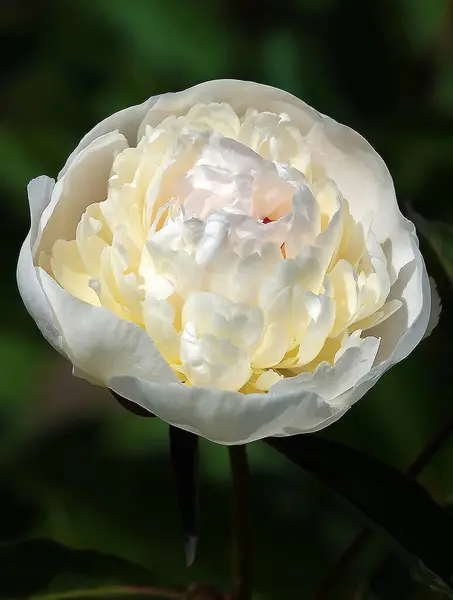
x=36 y=303
x=125 y=121
x=359 y=172
x=353 y=362
x=101 y=344
x=240 y=95
x=227 y=417
x=85 y=183
x=401 y=332
x=39 y=195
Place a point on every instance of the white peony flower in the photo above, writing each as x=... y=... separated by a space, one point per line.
x=229 y=259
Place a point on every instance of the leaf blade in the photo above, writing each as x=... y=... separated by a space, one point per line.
x=33 y=566
x=389 y=499
x=112 y=592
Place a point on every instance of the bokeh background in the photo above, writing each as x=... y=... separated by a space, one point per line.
x=74 y=465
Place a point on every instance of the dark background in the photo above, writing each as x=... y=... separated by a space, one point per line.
x=76 y=467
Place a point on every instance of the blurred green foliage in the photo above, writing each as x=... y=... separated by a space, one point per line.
x=91 y=475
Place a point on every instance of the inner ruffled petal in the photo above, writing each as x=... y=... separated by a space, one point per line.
x=227 y=243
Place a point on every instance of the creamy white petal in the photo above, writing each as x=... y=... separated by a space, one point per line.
x=36 y=303
x=345 y=289
x=396 y=343
x=99 y=343
x=330 y=381
x=125 y=121
x=305 y=224
x=321 y=310
x=359 y=172
x=406 y=327
x=267 y=379
x=85 y=183
x=213 y=362
x=34 y=298
x=241 y=95
x=378 y=317
x=39 y=195
x=213 y=314
x=272 y=348
x=227 y=417
x=69 y=270
x=159 y=317
x=216 y=116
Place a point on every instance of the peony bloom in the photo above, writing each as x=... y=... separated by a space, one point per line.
x=229 y=259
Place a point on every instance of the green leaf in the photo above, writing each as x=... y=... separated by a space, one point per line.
x=53 y=571
x=396 y=579
x=440 y=237
x=393 y=502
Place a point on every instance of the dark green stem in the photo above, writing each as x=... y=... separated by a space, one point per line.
x=241 y=584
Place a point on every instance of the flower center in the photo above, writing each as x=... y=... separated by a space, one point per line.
x=239 y=257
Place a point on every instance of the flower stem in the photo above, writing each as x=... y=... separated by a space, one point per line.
x=241 y=584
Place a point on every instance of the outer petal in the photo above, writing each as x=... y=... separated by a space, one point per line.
x=227 y=417
x=331 y=381
x=126 y=121
x=359 y=172
x=85 y=182
x=241 y=95
x=401 y=333
x=100 y=344
x=39 y=193
x=419 y=312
